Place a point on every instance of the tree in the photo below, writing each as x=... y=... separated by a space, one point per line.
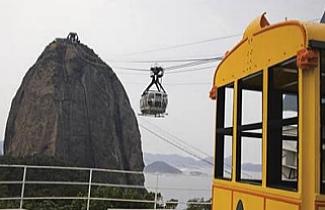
x=171 y=204
x=199 y=204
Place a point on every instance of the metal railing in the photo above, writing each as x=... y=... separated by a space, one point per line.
x=90 y=184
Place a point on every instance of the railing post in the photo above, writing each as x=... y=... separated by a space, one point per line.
x=23 y=188
x=156 y=192
x=89 y=187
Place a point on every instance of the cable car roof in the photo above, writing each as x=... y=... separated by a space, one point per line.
x=265 y=45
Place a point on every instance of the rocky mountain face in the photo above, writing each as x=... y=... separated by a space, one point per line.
x=72 y=106
x=1 y=147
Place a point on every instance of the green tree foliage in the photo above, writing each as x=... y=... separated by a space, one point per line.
x=16 y=174
x=171 y=204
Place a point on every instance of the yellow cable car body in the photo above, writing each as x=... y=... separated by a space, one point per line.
x=293 y=54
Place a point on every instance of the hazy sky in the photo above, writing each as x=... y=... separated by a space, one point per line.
x=116 y=29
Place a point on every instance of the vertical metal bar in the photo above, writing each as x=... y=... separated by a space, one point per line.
x=23 y=188
x=264 y=125
x=156 y=192
x=89 y=187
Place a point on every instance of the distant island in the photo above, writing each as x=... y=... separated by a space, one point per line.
x=181 y=162
x=194 y=166
x=161 y=167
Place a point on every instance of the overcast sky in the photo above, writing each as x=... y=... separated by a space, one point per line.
x=119 y=29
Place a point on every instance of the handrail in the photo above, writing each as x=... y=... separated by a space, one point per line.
x=71 y=168
x=25 y=183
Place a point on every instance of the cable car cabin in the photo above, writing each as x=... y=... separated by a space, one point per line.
x=270 y=124
x=153 y=102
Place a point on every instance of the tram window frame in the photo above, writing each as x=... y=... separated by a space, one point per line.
x=245 y=130
x=277 y=123
x=223 y=131
x=322 y=121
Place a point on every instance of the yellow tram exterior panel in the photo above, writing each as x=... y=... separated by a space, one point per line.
x=256 y=197
x=225 y=195
x=252 y=202
x=261 y=48
x=264 y=48
x=273 y=204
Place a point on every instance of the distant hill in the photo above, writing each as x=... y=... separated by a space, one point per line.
x=178 y=160
x=252 y=167
x=192 y=164
x=1 y=147
x=245 y=166
x=161 y=167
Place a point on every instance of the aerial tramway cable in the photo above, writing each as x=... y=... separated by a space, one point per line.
x=183 y=45
x=181 y=147
x=177 y=139
x=175 y=145
x=174 y=67
x=181 y=60
x=185 y=150
x=191 y=70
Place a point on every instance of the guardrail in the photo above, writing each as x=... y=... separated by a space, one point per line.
x=90 y=183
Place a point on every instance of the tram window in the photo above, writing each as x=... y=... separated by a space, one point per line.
x=282 y=142
x=322 y=102
x=224 y=132
x=249 y=129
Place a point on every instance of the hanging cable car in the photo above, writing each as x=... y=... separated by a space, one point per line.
x=154 y=102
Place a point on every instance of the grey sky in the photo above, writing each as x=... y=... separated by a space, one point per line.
x=116 y=28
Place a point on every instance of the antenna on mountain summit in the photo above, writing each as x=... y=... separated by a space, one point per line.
x=73 y=37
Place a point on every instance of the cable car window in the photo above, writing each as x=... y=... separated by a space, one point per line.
x=158 y=100
x=164 y=101
x=224 y=132
x=282 y=136
x=322 y=102
x=151 y=99
x=249 y=129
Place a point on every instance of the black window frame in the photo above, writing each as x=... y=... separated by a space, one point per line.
x=275 y=136
x=243 y=130
x=222 y=131
x=322 y=119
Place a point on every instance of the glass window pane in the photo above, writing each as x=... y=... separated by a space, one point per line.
x=227 y=161
x=251 y=162
x=289 y=161
x=229 y=95
x=252 y=107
